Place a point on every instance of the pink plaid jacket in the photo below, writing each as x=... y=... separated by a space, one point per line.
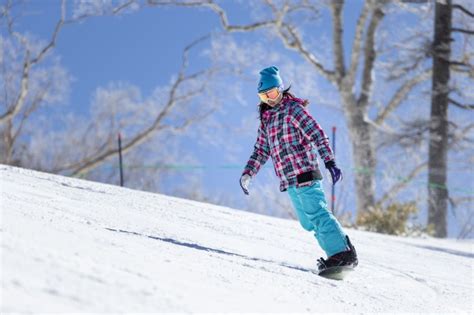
x=288 y=133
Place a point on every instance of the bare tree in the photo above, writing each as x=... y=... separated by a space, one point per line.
x=84 y=145
x=183 y=89
x=30 y=79
x=440 y=125
x=451 y=52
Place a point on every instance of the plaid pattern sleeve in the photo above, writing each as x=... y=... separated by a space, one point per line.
x=260 y=154
x=312 y=131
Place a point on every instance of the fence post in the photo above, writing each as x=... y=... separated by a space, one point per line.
x=120 y=158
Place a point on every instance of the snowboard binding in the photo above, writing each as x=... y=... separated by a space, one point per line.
x=339 y=265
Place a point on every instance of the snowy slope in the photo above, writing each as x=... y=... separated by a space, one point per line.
x=70 y=245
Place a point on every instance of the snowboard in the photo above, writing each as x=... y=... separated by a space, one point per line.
x=336 y=273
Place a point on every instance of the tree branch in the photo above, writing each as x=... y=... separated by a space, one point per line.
x=468 y=226
x=184 y=125
x=393 y=191
x=20 y=100
x=463 y=9
x=401 y=94
x=460 y=136
x=210 y=4
x=338 y=47
x=294 y=42
x=28 y=63
x=38 y=99
x=356 y=46
x=113 y=11
x=461 y=30
x=122 y=7
x=54 y=37
x=459 y=63
x=92 y=162
x=369 y=56
x=287 y=32
x=463 y=106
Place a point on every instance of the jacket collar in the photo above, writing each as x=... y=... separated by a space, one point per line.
x=277 y=108
x=284 y=102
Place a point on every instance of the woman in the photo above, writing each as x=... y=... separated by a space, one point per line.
x=288 y=133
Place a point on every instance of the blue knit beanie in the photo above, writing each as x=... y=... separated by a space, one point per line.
x=269 y=78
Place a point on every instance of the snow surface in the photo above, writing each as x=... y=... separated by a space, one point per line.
x=70 y=245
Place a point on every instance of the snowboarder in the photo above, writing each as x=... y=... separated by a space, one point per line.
x=288 y=133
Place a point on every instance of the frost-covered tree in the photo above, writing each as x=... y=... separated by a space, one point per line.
x=169 y=110
x=32 y=78
x=54 y=140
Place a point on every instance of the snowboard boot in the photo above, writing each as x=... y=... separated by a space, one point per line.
x=346 y=258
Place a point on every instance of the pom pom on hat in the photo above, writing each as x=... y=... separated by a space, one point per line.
x=269 y=78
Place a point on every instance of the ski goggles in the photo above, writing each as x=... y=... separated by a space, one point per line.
x=269 y=95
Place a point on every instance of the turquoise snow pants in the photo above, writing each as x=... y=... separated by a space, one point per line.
x=314 y=215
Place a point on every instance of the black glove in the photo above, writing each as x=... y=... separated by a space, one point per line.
x=336 y=173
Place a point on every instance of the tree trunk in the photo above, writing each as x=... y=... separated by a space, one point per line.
x=7 y=154
x=438 y=146
x=363 y=154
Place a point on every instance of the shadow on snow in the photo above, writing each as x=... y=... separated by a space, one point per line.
x=446 y=250
x=209 y=249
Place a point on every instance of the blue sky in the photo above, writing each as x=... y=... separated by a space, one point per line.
x=131 y=48
x=144 y=48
